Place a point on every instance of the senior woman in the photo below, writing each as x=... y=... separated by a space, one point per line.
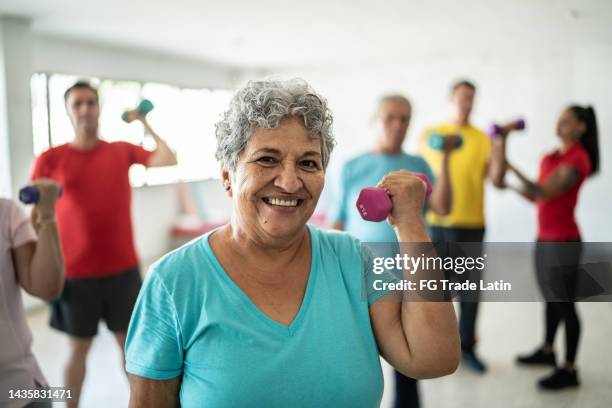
x=267 y=311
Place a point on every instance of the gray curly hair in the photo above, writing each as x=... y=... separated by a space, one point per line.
x=263 y=104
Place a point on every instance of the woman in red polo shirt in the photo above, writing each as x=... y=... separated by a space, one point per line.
x=555 y=194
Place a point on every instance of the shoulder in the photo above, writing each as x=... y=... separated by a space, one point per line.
x=7 y=209
x=416 y=160
x=7 y=204
x=181 y=267
x=358 y=160
x=335 y=243
x=356 y=164
x=440 y=127
x=477 y=134
x=119 y=145
x=579 y=152
x=580 y=157
x=53 y=153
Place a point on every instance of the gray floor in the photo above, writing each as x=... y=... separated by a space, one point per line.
x=505 y=329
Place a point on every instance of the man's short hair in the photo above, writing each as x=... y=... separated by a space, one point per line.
x=80 y=84
x=463 y=82
x=393 y=98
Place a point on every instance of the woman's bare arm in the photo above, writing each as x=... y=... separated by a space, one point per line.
x=148 y=393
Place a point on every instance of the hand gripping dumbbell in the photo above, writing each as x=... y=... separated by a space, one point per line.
x=375 y=205
x=144 y=107
x=31 y=195
x=496 y=130
x=438 y=141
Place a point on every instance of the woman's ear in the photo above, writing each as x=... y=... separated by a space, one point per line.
x=226 y=180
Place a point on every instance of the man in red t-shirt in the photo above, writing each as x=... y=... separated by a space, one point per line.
x=95 y=226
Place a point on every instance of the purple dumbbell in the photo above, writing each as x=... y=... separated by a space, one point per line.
x=31 y=195
x=375 y=205
x=496 y=130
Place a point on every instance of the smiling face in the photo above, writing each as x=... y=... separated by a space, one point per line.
x=569 y=128
x=278 y=180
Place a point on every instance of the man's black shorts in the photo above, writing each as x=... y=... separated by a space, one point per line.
x=85 y=301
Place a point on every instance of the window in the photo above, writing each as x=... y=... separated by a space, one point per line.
x=184 y=118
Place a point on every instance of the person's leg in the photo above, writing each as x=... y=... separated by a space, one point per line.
x=467 y=324
x=120 y=293
x=568 y=310
x=77 y=313
x=406 y=391
x=74 y=372
x=120 y=337
x=571 y=320
x=470 y=245
x=568 y=259
x=566 y=375
x=552 y=319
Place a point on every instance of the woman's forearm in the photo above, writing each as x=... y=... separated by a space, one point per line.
x=529 y=188
x=441 y=201
x=47 y=266
x=498 y=164
x=162 y=155
x=430 y=327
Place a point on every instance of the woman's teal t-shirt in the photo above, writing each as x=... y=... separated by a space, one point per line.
x=192 y=320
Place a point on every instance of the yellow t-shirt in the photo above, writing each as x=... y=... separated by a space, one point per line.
x=468 y=170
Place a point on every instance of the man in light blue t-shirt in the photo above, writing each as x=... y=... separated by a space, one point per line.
x=366 y=170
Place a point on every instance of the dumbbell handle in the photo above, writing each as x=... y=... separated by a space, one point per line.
x=374 y=204
x=31 y=195
x=144 y=107
x=496 y=130
x=438 y=142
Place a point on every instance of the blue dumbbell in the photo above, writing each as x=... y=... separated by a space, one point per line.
x=144 y=107
x=438 y=141
x=31 y=195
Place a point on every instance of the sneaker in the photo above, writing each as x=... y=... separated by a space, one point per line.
x=560 y=379
x=472 y=361
x=539 y=357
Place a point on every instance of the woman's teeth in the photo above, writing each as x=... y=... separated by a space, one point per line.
x=282 y=203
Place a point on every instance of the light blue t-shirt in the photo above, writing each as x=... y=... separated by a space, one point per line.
x=192 y=320
x=363 y=171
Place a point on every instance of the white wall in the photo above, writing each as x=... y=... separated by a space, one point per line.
x=534 y=84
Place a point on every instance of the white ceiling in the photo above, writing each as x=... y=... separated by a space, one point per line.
x=276 y=34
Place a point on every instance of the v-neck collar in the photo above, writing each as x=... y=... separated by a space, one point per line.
x=278 y=327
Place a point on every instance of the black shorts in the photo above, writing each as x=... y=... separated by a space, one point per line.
x=85 y=301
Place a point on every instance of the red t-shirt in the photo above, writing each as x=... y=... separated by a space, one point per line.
x=556 y=221
x=94 y=213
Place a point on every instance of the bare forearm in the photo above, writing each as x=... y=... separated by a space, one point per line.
x=497 y=164
x=430 y=327
x=529 y=189
x=441 y=201
x=47 y=266
x=163 y=155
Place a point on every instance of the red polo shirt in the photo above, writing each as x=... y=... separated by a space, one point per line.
x=94 y=212
x=556 y=220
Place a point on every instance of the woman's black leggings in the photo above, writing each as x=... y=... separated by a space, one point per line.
x=566 y=312
x=557 y=270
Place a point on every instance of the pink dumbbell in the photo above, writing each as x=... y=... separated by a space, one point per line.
x=375 y=205
x=496 y=130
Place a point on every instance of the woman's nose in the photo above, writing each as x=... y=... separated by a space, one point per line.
x=288 y=179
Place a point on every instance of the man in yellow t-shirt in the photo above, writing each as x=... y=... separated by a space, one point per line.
x=469 y=166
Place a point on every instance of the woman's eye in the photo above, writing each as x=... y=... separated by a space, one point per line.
x=266 y=160
x=310 y=164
